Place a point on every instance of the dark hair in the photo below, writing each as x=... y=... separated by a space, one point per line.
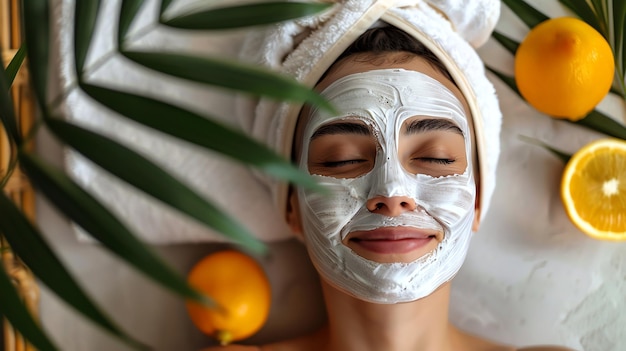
x=382 y=40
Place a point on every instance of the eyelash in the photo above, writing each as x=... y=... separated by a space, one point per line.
x=341 y=163
x=443 y=161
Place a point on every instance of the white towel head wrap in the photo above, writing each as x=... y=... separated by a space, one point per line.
x=306 y=48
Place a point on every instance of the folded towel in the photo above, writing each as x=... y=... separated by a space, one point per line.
x=306 y=48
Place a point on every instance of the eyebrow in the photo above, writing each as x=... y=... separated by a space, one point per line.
x=342 y=128
x=432 y=124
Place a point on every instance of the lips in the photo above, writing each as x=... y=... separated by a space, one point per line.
x=393 y=240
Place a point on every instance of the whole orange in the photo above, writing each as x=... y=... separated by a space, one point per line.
x=238 y=284
x=564 y=68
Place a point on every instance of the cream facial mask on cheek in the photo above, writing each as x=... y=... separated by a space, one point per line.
x=384 y=100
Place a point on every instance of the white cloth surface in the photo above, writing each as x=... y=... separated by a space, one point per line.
x=530 y=278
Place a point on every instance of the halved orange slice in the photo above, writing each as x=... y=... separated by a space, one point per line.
x=593 y=189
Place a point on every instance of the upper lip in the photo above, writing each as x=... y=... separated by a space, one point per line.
x=395 y=233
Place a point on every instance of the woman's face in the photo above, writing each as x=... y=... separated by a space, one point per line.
x=397 y=159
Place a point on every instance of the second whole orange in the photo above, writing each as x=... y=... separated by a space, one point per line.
x=238 y=284
x=564 y=68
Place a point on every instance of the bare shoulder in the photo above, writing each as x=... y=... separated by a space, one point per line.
x=545 y=348
x=233 y=348
x=467 y=341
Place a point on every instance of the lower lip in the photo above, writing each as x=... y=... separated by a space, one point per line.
x=393 y=246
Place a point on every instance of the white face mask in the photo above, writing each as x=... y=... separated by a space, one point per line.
x=384 y=99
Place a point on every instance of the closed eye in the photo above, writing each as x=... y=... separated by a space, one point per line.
x=334 y=164
x=443 y=161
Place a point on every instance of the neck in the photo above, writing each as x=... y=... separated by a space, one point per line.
x=358 y=325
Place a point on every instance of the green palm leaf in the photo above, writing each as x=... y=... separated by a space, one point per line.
x=528 y=14
x=165 y=4
x=244 y=15
x=199 y=130
x=85 y=16
x=602 y=123
x=558 y=153
x=13 y=309
x=15 y=64
x=602 y=14
x=585 y=12
x=508 y=80
x=148 y=177
x=36 y=31
x=128 y=12
x=7 y=115
x=228 y=74
x=508 y=43
x=94 y=218
x=28 y=244
x=619 y=28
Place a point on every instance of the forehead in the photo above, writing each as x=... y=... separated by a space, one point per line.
x=353 y=64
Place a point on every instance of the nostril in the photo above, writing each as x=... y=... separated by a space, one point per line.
x=390 y=205
x=375 y=205
x=409 y=205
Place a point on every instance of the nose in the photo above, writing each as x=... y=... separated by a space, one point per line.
x=390 y=206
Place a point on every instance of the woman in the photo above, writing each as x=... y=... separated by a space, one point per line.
x=408 y=158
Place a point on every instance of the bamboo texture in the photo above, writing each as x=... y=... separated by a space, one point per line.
x=17 y=188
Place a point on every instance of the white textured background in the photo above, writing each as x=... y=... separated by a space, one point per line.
x=530 y=277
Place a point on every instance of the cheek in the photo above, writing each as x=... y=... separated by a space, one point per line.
x=326 y=214
x=448 y=199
